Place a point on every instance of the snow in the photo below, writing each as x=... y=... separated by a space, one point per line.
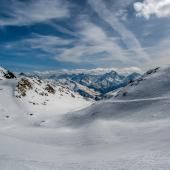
x=101 y=83
x=123 y=133
x=62 y=101
x=76 y=87
x=2 y=72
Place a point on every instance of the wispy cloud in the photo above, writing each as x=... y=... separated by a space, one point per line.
x=127 y=36
x=45 y=43
x=104 y=34
x=147 y=8
x=18 y=12
x=62 y=29
x=93 y=45
x=159 y=53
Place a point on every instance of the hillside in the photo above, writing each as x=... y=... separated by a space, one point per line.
x=26 y=97
x=128 y=131
x=144 y=99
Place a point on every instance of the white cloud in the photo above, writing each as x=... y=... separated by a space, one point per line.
x=159 y=53
x=158 y=8
x=129 y=70
x=101 y=70
x=48 y=44
x=33 y=11
x=62 y=29
x=93 y=44
x=127 y=36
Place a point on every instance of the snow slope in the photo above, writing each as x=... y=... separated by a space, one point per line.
x=45 y=97
x=145 y=99
x=25 y=97
x=82 y=90
x=127 y=132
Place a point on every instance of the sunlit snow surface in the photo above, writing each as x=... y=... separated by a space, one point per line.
x=125 y=133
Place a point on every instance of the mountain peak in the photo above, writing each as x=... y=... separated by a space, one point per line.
x=6 y=74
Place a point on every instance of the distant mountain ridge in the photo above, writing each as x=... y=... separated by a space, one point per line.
x=142 y=100
x=92 y=84
x=101 y=83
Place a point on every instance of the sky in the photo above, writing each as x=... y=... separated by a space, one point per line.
x=84 y=34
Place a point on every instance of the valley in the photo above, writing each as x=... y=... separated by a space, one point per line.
x=71 y=132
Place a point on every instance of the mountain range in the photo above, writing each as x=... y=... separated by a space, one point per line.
x=93 y=84
x=46 y=124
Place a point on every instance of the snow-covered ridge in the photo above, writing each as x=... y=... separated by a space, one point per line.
x=100 y=83
x=41 y=96
x=144 y=99
x=82 y=90
x=25 y=85
x=154 y=83
x=6 y=74
x=125 y=132
x=36 y=96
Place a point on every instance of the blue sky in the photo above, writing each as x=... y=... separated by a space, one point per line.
x=70 y=34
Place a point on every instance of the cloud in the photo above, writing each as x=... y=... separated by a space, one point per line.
x=101 y=70
x=129 y=70
x=62 y=29
x=48 y=44
x=147 y=8
x=127 y=36
x=93 y=45
x=159 y=53
x=20 y=13
x=90 y=41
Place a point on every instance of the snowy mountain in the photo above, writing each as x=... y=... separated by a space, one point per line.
x=145 y=99
x=82 y=90
x=112 y=80
x=148 y=85
x=43 y=96
x=38 y=96
x=95 y=81
x=6 y=74
x=45 y=125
